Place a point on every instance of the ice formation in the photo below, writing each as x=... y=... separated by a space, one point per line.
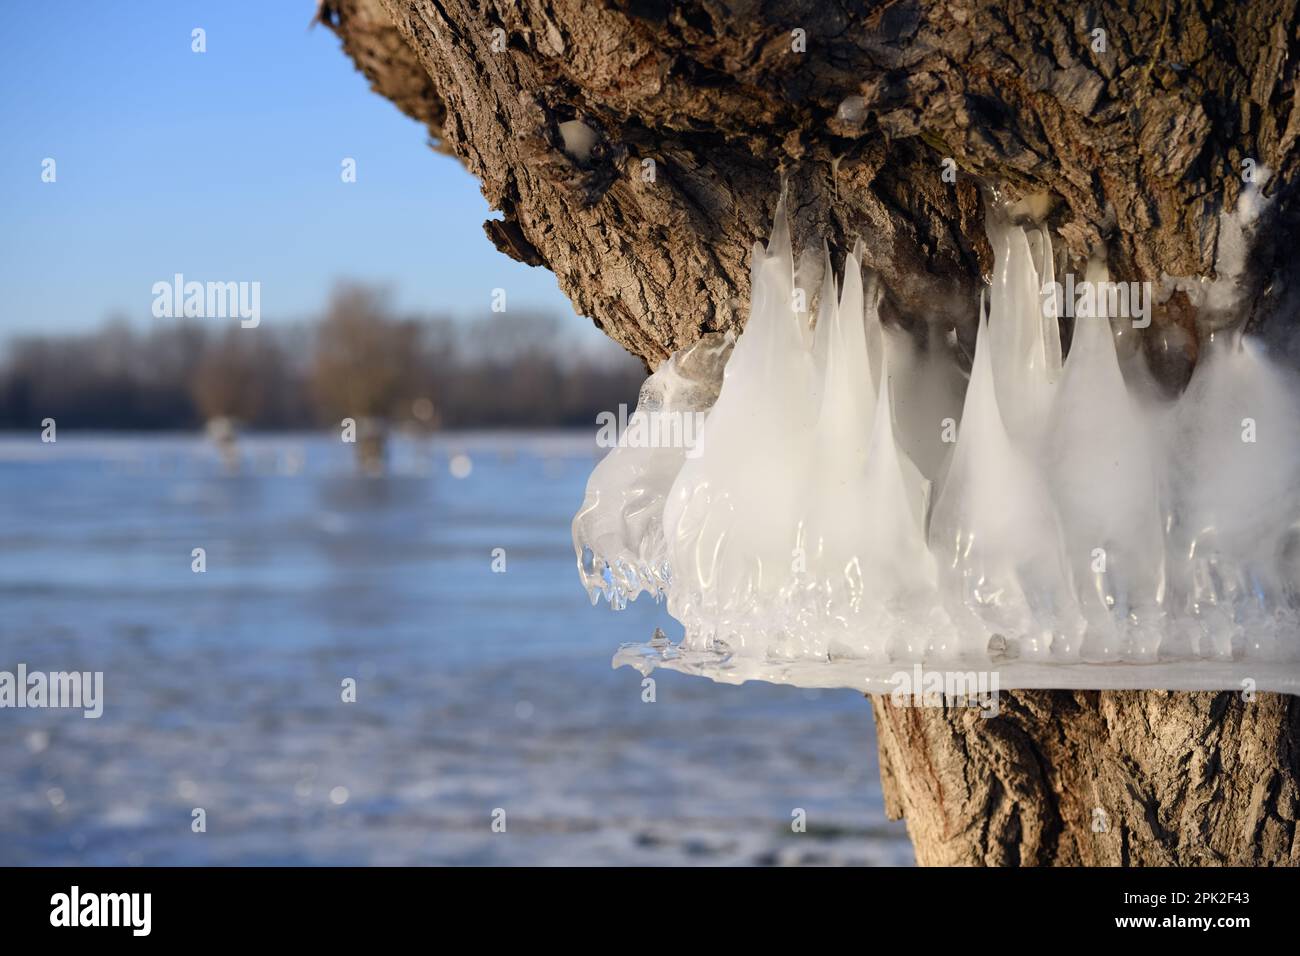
x=618 y=532
x=854 y=507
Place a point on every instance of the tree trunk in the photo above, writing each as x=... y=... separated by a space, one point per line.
x=1127 y=125
x=1097 y=778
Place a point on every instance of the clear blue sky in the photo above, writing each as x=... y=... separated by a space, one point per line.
x=223 y=166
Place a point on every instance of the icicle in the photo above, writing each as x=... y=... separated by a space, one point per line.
x=1235 y=484
x=856 y=384
x=1050 y=307
x=807 y=277
x=1025 y=349
x=731 y=518
x=1103 y=477
x=996 y=536
x=827 y=305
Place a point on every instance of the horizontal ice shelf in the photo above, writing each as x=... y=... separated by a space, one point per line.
x=882 y=678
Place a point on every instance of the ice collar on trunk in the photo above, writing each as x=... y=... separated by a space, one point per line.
x=846 y=514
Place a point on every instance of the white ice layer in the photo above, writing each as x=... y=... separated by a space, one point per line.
x=827 y=529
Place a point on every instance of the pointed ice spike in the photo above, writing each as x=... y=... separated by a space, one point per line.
x=756 y=253
x=756 y=256
x=981 y=405
x=850 y=313
x=1018 y=338
x=1104 y=483
x=1097 y=275
x=874 y=333
x=779 y=268
x=853 y=339
x=1093 y=339
x=847 y=400
x=827 y=307
x=1051 y=311
x=807 y=277
x=779 y=244
x=771 y=329
x=888 y=467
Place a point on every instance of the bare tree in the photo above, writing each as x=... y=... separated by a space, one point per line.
x=366 y=368
x=1130 y=122
x=230 y=386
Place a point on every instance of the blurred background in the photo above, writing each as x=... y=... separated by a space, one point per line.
x=429 y=560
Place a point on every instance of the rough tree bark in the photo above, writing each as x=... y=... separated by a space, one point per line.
x=1132 y=139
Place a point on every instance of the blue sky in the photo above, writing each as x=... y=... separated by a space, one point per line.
x=223 y=165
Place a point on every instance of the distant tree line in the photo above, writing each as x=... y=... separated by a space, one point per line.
x=359 y=360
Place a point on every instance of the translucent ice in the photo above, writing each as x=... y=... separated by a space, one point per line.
x=996 y=533
x=1234 y=477
x=618 y=531
x=1103 y=477
x=855 y=505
